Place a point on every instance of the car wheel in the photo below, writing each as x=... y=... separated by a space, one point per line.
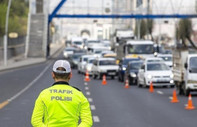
x=130 y=81
x=145 y=83
x=172 y=86
x=119 y=77
x=94 y=76
x=100 y=76
x=138 y=83
x=180 y=90
x=112 y=77
x=186 y=92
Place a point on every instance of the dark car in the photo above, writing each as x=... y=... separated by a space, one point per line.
x=74 y=59
x=132 y=71
x=123 y=65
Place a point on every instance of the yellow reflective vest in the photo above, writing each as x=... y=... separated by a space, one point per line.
x=61 y=105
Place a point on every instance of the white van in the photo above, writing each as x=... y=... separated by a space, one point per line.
x=77 y=42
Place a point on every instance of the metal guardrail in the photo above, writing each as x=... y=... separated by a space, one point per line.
x=12 y=42
x=16 y=46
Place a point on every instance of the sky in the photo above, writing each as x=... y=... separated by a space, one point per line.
x=174 y=6
x=82 y=5
x=159 y=6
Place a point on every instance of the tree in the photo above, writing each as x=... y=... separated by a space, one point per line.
x=145 y=28
x=184 y=31
x=3 y=7
x=17 y=19
x=150 y=27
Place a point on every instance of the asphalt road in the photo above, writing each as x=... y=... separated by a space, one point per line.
x=112 y=105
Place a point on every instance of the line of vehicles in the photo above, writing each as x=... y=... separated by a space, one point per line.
x=138 y=61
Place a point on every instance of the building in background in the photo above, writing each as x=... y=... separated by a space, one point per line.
x=98 y=28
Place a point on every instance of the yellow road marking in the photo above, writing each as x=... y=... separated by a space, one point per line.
x=3 y=104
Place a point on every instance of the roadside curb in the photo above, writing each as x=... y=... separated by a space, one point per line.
x=30 y=61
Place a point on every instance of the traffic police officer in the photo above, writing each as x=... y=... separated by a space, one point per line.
x=61 y=105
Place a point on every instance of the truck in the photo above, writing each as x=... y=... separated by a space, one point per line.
x=184 y=70
x=143 y=48
x=121 y=35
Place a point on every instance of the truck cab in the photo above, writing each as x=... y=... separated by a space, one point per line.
x=185 y=71
x=144 y=48
x=191 y=73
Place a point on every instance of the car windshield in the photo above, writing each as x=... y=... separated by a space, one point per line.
x=85 y=59
x=98 y=52
x=166 y=58
x=69 y=49
x=154 y=60
x=91 y=61
x=76 y=56
x=140 y=49
x=89 y=42
x=78 y=42
x=126 y=61
x=135 y=66
x=157 y=67
x=159 y=49
x=107 y=62
x=193 y=64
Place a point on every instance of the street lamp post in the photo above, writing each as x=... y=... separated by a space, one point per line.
x=6 y=33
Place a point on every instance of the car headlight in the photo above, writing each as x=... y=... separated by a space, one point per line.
x=172 y=76
x=149 y=76
x=101 y=70
x=123 y=68
x=75 y=62
x=65 y=54
x=133 y=75
x=89 y=68
x=192 y=81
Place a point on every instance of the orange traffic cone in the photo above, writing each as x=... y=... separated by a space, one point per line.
x=190 y=105
x=104 y=82
x=174 y=98
x=151 y=89
x=87 y=78
x=126 y=84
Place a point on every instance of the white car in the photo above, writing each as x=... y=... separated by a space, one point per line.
x=68 y=51
x=82 y=62
x=104 y=66
x=153 y=59
x=167 y=59
x=90 y=43
x=77 y=42
x=156 y=72
x=89 y=64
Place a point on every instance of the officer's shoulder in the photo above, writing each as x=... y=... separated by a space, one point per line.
x=76 y=88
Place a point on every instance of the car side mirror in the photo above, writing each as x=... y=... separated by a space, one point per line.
x=186 y=65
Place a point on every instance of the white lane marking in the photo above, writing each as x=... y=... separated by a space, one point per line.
x=30 y=84
x=170 y=97
x=86 y=88
x=96 y=119
x=92 y=107
x=87 y=93
x=186 y=105
x=90 y=99
x=160 y=92
x=85 y=83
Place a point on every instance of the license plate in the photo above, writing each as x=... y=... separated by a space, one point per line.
x=161 y=80
x=111 y=73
